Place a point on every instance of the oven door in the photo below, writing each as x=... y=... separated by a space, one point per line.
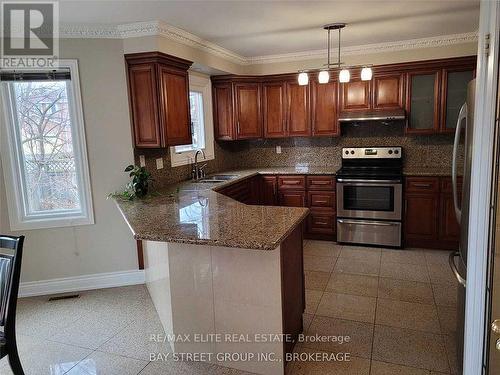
x=369 y=199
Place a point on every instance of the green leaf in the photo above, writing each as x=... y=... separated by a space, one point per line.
x=129 y=168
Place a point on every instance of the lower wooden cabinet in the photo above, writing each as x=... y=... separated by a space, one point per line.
x=321 y=222
x=292 y=198
x=429 y=218
x=268 y=190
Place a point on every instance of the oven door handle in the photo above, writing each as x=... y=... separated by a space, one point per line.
x=361 y=222
x=369 y=181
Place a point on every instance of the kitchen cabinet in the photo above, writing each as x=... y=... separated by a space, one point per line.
x=274 y=109
x=429 y=217
x=324 y=109
x=268 y=190
x=248 y=110
x=292 y=198
x=388 y=91
x=423 y=101
x=321 y=222
x=298 y=120
x=454 y=95
x=355 y=95
x=158 y=88
x=223 y=111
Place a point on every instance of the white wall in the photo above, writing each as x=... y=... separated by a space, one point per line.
x=107 y=245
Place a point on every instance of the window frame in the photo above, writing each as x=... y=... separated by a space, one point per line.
x=200 y=83
x=12 y=168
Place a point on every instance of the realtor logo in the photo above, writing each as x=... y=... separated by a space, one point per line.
x=30 y=34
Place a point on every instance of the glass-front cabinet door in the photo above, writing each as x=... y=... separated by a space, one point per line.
x=454 y=95
x=423 y=99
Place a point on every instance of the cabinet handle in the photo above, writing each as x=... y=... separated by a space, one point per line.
x=422 y=185
x=291 y=182
x=321 y=223
x=321 y=202
x=320 y=183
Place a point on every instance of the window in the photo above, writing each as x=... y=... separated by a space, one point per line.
x=200 y=99
x=44 y=152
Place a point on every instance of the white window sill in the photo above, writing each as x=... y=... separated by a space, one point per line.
x=186 y=158
x=34 y=224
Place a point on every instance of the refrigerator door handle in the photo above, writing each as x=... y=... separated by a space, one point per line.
x=454 y=268
x=461 y=116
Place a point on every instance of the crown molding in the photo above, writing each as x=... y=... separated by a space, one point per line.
x=162 y=29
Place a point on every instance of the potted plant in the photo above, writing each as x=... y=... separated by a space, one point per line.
x=138 y=187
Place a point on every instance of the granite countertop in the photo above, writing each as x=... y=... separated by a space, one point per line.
x=428 y=171
x=196 y=214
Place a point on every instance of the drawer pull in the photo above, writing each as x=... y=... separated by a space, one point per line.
x=321 y=223
x=320 y=183
x=422 y=185
x=320 y=202
x=291 y=182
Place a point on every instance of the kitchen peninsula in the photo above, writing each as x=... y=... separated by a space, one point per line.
x=217 y=266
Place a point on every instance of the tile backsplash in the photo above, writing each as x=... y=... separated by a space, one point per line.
x=433 y=151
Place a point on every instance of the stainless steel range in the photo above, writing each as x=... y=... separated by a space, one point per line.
x=370 y=196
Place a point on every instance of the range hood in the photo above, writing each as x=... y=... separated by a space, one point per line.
x=394 y=115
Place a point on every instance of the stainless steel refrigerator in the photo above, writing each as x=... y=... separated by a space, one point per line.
x=458 y=259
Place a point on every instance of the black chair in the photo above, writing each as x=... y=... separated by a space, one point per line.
x=10 y=272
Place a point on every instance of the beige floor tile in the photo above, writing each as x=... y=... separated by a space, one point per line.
x=445 y=294
x=409 y=348
x=360 y=336
x=437 y=256
x=109 y=364
x=409 y=315
x=451 y=351
x=405 y=290
x=312 y=300
x=315 y=263
x=441 y=274
x=306 y=321
x=346 y=283
x=369 y=266
x=383 y=368
x=346 y=306
x=322 y=248
x=403 y=256
x=413 y=272
x=371 y=254
x=447 y=319
x=184 y=368
x=316 y=280
x=353 y=366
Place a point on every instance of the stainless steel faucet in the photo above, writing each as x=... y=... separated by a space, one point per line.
x=198 y=172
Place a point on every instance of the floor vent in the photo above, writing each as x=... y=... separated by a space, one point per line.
x=64 y=296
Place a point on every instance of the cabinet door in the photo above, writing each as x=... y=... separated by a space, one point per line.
x=268 y=191
x=422 y=104
x=449 y=229
x=297 y=117
x=421 y=216
x=321 y=222
x=174 y=109
x=248 y=115
x=454 y=96
x=274 y=109
x=355 y=96
x=223 y=111
x=388 y=91
x=144 y=105
x=292 y=198
x=324 y=108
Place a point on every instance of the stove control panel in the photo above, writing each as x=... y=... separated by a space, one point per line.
x=372 y=153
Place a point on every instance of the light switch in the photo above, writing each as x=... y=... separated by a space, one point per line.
x=142 y=161
x=278 y=149
x=159 y=163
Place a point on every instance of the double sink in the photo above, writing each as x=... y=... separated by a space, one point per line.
x=218 y=178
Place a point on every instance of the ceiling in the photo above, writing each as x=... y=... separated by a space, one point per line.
x=259 y=28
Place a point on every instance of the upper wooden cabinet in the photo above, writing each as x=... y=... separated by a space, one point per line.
x=223 y=111
x=324 y=111
x=274 y=109
x=159 y=99
x=388 y=91
x=454 y=94
x=355 y=95
x=298 y=120
x=248 y=115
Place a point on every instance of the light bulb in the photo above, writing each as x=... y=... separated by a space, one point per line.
x=344 y=76
x=366 y=74
x=303 y=79
x=323 y=76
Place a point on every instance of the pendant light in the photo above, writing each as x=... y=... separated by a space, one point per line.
x=366 y=73
x=303 y=79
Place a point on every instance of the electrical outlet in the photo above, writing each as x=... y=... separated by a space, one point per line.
x=142 y=161
x=159 y=163
x=278 y=149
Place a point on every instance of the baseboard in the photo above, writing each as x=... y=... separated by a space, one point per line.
x=80 y=283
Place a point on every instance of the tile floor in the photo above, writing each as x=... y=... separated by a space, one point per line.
x=397 y=306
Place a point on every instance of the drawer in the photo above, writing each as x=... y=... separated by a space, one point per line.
x=320 y=182
x=446 y=186
x=324 y=199
x=422 y=184
x=321 y=222
x=291 y=182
